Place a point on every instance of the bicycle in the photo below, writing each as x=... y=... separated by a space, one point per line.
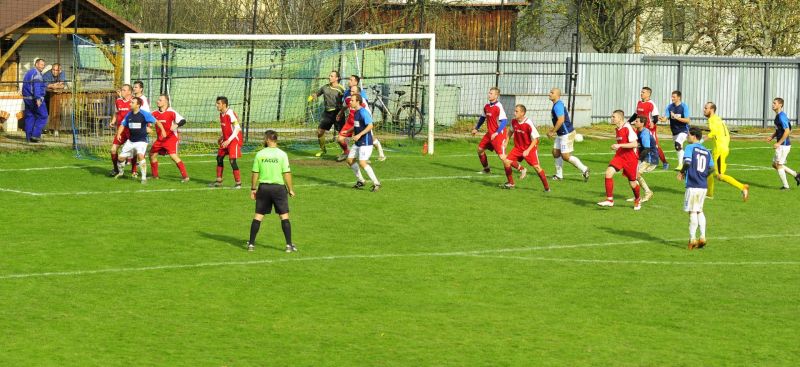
x=407 y=116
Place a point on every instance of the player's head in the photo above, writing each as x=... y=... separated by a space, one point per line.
x=138 y=87
x=676 y=96
x=163 y=101
x=355 y=101
x=355 y=89
x=519 y=112
x=56 y=69
x=618 y=117
x=777 y=104
x=642 y=120
x=555 y=94
x=136 y=103
x=125 y=91
x=333 y=77
x=222 y=103
x=645 y=93
x=270 y=138
x=709 y=109
x=39 y=64
x=640 y=123
x=354 y=80
x=494 y=92
x=695 y=134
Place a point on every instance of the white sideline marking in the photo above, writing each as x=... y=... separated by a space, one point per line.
x=37 y=168
x=475 y=253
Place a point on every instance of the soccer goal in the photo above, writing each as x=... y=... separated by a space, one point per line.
x=267 y=79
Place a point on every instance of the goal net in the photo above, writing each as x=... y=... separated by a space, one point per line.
x=266 y=78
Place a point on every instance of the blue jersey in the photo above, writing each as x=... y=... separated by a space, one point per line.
x=361 y=119
x=682 y=110
x=560 y=110
x=781 y=124
x=137 y=123
x=648 y=152
x=347 y=94
x=699 y=162
x=33 y=85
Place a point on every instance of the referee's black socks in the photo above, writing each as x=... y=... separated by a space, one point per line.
x=254 y=227
x=287 y=230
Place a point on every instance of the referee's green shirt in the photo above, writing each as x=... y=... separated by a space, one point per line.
x=271 y=164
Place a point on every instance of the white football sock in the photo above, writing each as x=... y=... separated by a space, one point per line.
x=143 y=169
x=782 y=175
x=371 y=175
x=357 y=171
x=559 y=167
x=692 y=225
x=789 y=171
x=577 y=163
x=379 y=146
x=680 y=158
x=701 y=220
x=643 y=184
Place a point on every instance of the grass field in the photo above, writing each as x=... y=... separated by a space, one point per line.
x=441 y=267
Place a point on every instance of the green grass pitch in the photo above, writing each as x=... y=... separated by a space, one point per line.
x=441 y=267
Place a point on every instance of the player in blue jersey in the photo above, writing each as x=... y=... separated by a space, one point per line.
x=139 y=122
x=564 y=134
x=362 y=146
x=697 y=166
x=783 y=128
x=648 y=156
x=677 y=113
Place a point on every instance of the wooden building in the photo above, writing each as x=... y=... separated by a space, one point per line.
x=32 y=29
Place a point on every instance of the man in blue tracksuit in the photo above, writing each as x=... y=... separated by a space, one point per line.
x=33 y=92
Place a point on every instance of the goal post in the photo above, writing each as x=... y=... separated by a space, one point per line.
x=403 y=64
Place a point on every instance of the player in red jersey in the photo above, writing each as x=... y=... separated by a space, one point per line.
x=625 y=160
x=496 y=136
x=230 y=142
x=647 y=108
x=526 y=143
x=349 y=123
x=123 y=106
x=167 y=123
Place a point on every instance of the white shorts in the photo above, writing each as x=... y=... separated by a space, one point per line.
x=363 y=152
x=780 y=154
x=680 y=138
x=565 y=143
x=693 y=200
x=140 y=147
x=645 y=167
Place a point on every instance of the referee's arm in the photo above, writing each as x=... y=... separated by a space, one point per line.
x=287 y=178
x=253 y=185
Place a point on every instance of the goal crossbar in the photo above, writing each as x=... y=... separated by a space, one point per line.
x=430 y=37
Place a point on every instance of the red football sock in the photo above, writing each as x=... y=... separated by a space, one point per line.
x=610 y=189
x=182 y=168
x=543 y=177
x=509 y=176
x=661 y=155
x=516 y=166
x=636 y=192
x=219 y=173
x=344 y=147
x=484 y=160
x=114 y=161
x=134 y=164
x=154 y=168
x=236 y=176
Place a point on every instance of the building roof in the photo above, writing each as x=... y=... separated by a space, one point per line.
x=18 y=13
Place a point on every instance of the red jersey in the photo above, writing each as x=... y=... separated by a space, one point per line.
x=626 y=134
x=351 y=115
x=227 y=121
x=524 y=133
x=167 y=119
x=494 y=112
x=123 y=107
x=647 y=109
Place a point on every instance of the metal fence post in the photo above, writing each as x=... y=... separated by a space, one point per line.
x=568 y=77
x=765 y=102
x=680 y=75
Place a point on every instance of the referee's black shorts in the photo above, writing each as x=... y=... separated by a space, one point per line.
x=269 y=196
x=328 y=120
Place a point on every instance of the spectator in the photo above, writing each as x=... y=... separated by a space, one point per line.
x=33 y=91
x=56 y=78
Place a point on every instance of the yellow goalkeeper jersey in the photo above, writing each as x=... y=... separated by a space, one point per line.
x=719 y=132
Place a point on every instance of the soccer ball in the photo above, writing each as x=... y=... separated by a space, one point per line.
x=578 y=138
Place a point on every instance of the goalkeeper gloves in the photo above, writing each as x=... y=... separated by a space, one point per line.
x=310 y=98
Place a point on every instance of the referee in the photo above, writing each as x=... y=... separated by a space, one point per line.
x=271 y=182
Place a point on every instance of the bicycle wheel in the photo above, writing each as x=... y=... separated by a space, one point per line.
x=410 y=118
x=379 y=115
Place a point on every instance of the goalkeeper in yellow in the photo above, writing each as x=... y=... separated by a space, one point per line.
x=718 y=132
